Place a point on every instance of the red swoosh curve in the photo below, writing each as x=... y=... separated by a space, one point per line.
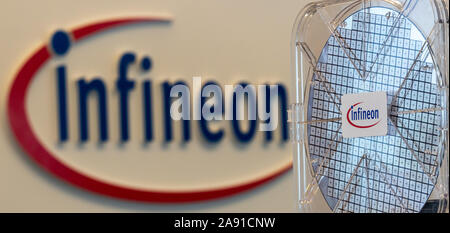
x=359 y=126
x=24 y=135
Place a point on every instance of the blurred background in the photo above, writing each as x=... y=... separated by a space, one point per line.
x=223 y=41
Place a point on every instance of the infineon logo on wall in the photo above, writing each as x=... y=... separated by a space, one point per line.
x=92 y=107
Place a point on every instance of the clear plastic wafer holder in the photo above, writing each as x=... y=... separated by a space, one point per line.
x=396 y=46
